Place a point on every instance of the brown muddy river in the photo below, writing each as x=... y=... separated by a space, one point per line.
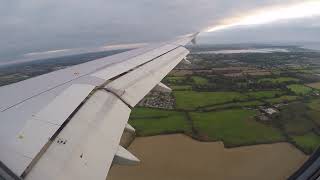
x=178 y=157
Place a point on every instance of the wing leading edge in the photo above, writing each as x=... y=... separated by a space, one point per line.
x=68 y=124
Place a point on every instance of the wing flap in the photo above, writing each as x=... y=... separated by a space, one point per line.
x=38 y=130
x=91 y=140
x=124 y=157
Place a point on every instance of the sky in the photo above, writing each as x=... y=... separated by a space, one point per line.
x=29 y=28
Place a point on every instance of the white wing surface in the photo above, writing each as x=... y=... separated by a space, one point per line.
x=67 y=124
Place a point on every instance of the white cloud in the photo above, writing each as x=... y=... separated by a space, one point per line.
x=306 y=9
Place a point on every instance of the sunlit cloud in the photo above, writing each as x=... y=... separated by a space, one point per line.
x=269 y=15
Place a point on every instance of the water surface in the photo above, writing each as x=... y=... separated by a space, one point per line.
x=180 y=157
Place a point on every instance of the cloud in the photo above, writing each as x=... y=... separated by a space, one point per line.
x=297 y=31
x=49 y=25
x=306 y=9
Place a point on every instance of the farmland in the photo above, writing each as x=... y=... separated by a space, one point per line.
x=182 y=88
x=191 y=99
x=299 y=89
x=279 y=80
x=314 y=85
x=308 y=142
x=222 y=116
x=199 y=80
x=152 y=122
x=234 y=127
x=231 y=103
x=282 y=99
x=264 y=94
x=314 y=104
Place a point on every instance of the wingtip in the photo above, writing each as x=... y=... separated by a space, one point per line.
x=194 y=38
x=196 y=33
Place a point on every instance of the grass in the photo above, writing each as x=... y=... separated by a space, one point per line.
x=199 y=80
x=279 y=80
x=190 y=99
x=314 y=85
x=314 y=104
x=282 y=99
x=140 y=113
x=175 y=79
x=148 y=122
x=316 y=71
x=308 y=142
x=315 y=116
x=234 y=105
x=234 y=127
x=276 y=72
x=250 y=103
x=182 y=88
x=264 y=94
x=299 y=89
x=296 y=119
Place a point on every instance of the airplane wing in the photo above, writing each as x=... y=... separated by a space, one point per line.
x=67 y=124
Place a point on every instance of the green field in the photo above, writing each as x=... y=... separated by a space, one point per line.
x=181 y=88
x=140 y=113
x=234 y=105
x=198 y=80
x=277 y=72
x=308 y=142
x=226 y=114
x=191 y=99
x=174 y=79
x=296 y=119
x=264 y=94
x=282 y=99
x=315 y=117
x=234 y=127
x=279 y=80
x=314 y=104
x=301 y=70
x=299 y=89
x=316 y=71
x=148 y=122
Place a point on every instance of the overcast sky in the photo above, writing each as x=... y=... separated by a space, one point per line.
x=28 y=26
